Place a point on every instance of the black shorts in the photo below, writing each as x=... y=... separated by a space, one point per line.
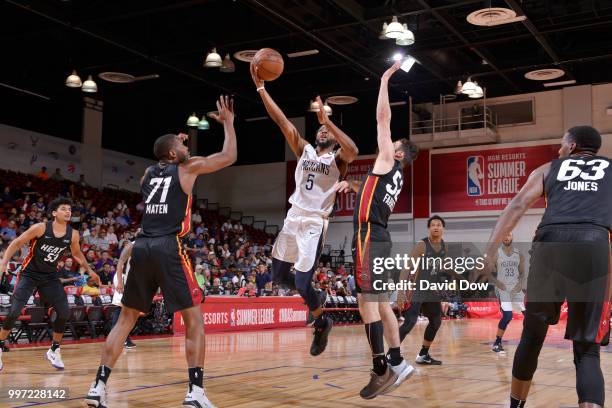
x=571 y=262
x=161 y=262
x=371 y=243
x=51 y=291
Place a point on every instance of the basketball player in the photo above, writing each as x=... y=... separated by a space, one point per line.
x=510 y=267
x=119 y=283
x=48 y=241
x=578 y=191
x=430 y=249
x=377 y=196
x=159 y=258
x=301 y=239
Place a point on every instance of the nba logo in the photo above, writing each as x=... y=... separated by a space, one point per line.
x=475 y=176
x=233 y=317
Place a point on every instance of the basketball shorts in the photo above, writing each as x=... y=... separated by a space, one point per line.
x=161 y=262
x=371 y=243
x=300 y=240
x=571 y=262
x=511 y=301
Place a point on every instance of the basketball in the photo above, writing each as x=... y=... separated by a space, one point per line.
x=269 y=64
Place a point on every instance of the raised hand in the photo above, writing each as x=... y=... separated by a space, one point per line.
x=225 y=106
x=258 y=82
x=321 y=115
x=392 y=69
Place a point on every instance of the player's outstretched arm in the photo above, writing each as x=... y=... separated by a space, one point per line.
x=348 y=149
x=384 y=161
x=347 y=185
x=75 y=248
x=510 y=216
x=227 y=156
x=35 y=231
x=293 y=137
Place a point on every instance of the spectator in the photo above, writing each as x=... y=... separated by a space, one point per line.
x=196 y=218
x=106 y=274
x=262 y=278
x=39 y=205
x=9 y=232
x=82 y=181
x=68 y=276
x=103 y=243
x=104 y=260
x=111 y=236
x=57 y=176
x=42 y=174
x=350 y=285
x=28 y=191
x=199 y=273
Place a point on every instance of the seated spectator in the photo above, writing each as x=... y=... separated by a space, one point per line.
x=262 y=278
x=9 y=232
x=40 y=204
x=42 y=174
x=103 y=243
x=29 y=191
x=82 y=181
x=106 y=274
x=106 y=259
x=67 y=275
x=196 y=218
x=111 y=236
x=7 y=197
x=57 y=176
x=199 y=273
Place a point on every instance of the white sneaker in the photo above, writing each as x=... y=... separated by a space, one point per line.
x=96 y=397
x=403 y=372
x=196 y=397
x=55 y=358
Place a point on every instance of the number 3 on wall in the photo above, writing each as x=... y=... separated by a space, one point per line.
x=569 y=169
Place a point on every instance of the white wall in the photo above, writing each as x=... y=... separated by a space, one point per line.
x=26 y=151
x=257 y=190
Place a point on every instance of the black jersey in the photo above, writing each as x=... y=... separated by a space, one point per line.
x=167 y=208
x=378 y=195
x=433 y=261
x=45 y=252
x=579 y=191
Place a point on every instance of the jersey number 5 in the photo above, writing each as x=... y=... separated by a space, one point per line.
x=396 y=188
x=569 y=169
x=157 y=181
x=310 y=181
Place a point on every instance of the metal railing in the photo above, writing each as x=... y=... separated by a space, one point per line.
x=485 y=120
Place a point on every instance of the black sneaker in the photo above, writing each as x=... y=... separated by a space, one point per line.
x=378 y=384
x=129 y=344
x=322 y=300
x=498 y=348
x=319 y=341
x=427 y=360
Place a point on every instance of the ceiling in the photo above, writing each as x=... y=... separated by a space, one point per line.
x=43 y=40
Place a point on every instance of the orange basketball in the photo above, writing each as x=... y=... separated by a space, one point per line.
x=269 y=64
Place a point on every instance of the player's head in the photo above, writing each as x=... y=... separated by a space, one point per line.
x=405 y=151
x=324 y=139
x=580 y=139
x=170 y=148
x=436 y=225
x=508 y=239
x=61 y=209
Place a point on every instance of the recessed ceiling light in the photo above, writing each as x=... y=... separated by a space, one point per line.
x=494 y=16
x=245 y=55
x=342 y=100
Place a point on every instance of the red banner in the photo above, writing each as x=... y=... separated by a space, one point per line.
x=491 y=310
x=486 y=179
x=358 y=170
x=237 y=314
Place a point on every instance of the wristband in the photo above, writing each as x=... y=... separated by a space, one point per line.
x=261 y=88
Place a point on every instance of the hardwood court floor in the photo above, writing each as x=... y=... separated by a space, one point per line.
x=274 y=369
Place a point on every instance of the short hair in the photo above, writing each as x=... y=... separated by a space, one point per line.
x=587 y=138
x=411 y=151
x=55 y=204
x=436 y=217
x=163 y=144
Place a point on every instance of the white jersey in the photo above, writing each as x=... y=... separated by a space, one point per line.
x=315 y=177
x=508 y=268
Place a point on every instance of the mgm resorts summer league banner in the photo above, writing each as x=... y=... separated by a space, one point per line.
x=358 y=170
x=484 y=178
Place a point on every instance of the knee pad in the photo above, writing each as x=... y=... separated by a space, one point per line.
x=281 y=273
x=505 y=320
x=432 y=328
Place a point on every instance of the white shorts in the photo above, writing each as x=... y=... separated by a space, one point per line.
x=116 y=295
x=301 y=239
x=509 y=301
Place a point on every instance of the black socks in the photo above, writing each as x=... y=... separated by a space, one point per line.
x=196 y=376
x=103 y=374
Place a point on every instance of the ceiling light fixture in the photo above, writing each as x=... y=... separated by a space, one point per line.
x=406 y=38
x=383 y=33
x=478 y=92
x=314 y=107
x=193 y=120
x=394 y=29
x=469 y=87
x=397 y=56
x=203 y=124
x=213 y=60
x=228 y=65
x=73 y=80
x=89 y=85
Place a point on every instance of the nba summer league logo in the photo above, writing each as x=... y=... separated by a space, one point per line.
x=475 y=176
